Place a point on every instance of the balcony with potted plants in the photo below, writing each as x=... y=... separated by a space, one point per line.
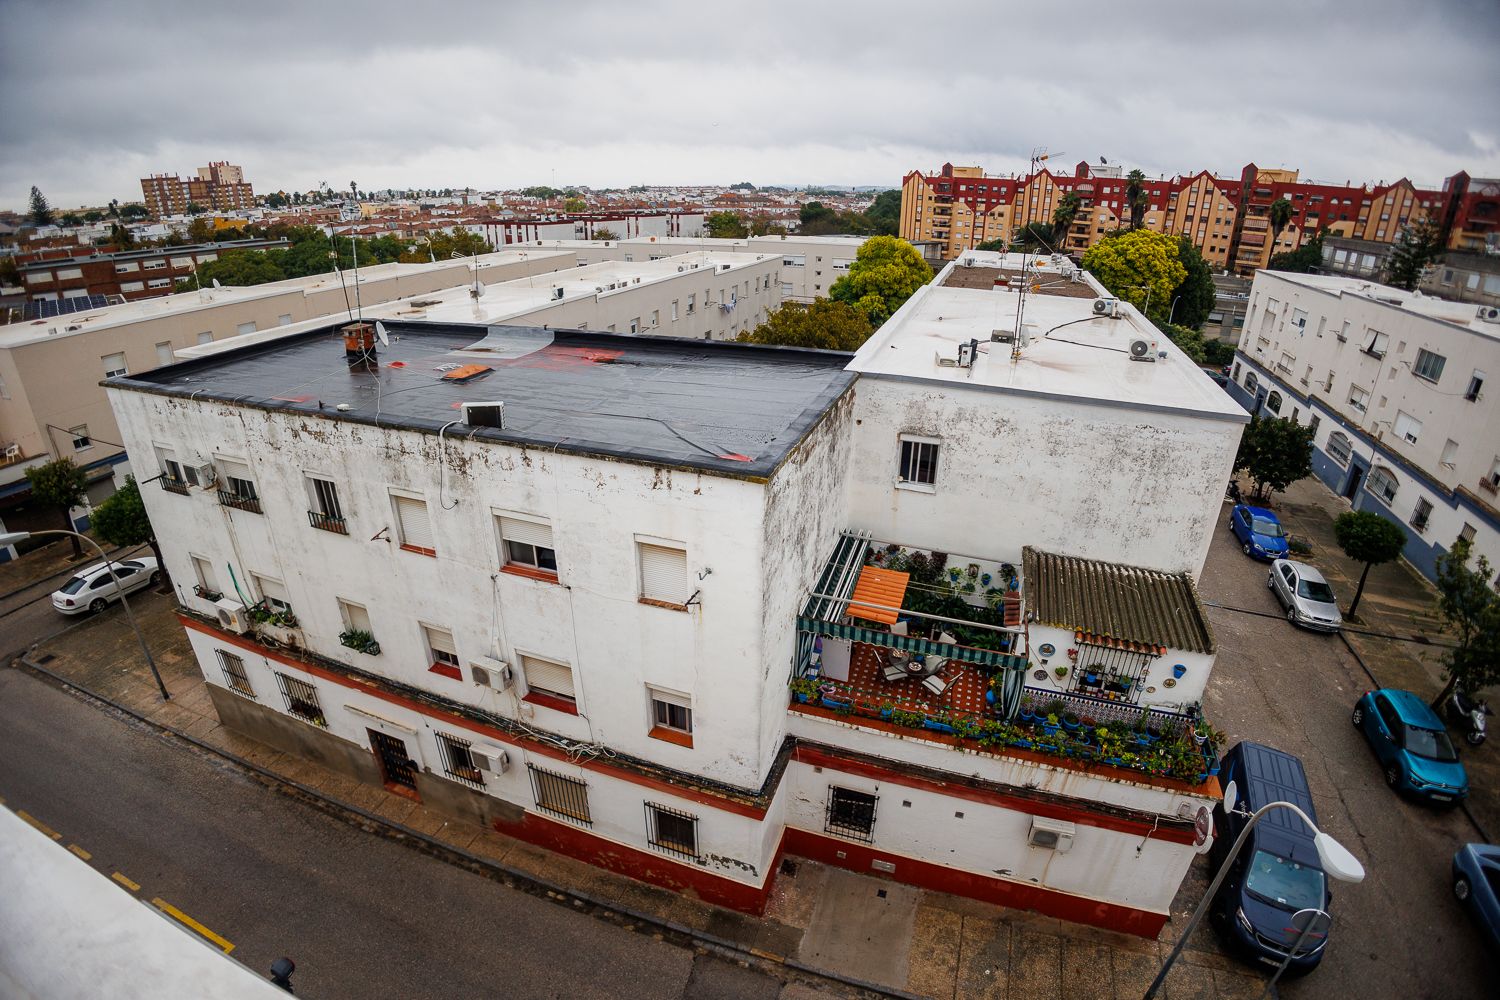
x=277 y=626
x=360 y=641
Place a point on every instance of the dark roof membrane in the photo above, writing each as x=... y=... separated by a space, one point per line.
x=722 y=407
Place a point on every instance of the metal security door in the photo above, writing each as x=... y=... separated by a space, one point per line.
x=397 y=765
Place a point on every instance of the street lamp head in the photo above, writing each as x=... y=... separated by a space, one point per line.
x=1336 y=859
x=12 y=537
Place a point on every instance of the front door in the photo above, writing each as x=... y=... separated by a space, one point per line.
x=1356 y=476
x=396 y=765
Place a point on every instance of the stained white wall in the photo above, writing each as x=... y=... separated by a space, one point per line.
x=1185 y=690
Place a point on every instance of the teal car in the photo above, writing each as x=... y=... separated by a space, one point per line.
x=1412 y=746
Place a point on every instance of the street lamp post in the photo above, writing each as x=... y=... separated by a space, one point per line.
x=1334 y=857
x=11 y=537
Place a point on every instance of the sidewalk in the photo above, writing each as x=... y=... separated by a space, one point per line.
x=873 y=930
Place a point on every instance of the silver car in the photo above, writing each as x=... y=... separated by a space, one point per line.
x=1308 y=599
x=92 y=589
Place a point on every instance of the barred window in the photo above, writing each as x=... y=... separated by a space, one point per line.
x=457 y=761
x=1339 y=447
x=234 y=673
x=851 y=814
x=559 y=795
x=671 y=831
x=1382 y=483
x=301 y=700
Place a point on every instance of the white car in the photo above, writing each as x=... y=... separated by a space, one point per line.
x=92 y=589
x=1308 y=599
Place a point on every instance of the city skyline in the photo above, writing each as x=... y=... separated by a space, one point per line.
x=832 y=96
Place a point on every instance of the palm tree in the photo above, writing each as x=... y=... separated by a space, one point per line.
x=1135 y=197
x=1280 y=215
x=1063 y=215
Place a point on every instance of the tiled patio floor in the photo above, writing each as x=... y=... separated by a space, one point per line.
x=965 y=694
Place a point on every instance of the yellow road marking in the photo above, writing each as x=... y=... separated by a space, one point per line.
x=85 y=855
x=127 y=883
x=39 y=825
x=189 y=922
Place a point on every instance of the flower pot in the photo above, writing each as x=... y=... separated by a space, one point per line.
x=941 y=727
x=800 y=697
x=1070 y=721
x=1178 y=670
x=989 y=696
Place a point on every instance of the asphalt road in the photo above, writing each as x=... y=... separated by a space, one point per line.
x=27 y=615
x=363 y=917
x=1399 y=933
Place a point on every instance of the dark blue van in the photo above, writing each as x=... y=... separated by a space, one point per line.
x=1277 y=871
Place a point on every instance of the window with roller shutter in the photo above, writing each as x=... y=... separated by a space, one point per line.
x=664 y=576
x=526 y=544
x=553 y=682
x=415 y=528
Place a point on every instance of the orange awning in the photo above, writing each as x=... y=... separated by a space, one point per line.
x=884 y=587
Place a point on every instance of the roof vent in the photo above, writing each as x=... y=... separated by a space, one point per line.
x=491 y=414
x=359 y=342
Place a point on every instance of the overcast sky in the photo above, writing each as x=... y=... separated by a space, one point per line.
x=437 y=94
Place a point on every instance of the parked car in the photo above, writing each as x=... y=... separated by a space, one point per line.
x=1476 y=884
x=1259 y=532
x=1412 y=746
x=1277 y=871
x=1305 y=595
x=1220 y=378
x=92 y=589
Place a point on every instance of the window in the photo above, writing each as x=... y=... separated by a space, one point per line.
x=412 y=523
x=1450 y=453
x=550 y=680
x=692 y=301
x=1408 y=427
x=114 y=365
x=301 y=699
x=1236 y=375
x=671 y=831
x=458 y=762
x=1467 y=532
x=326 y=512
x=442 y=653
x=1420 y=513
x=635 y=325
x=272 y=593
x=1358 y=398
x=1382 y=483
x=235 y=678
x=671 y=716
x=240 y=493
x=1339 y=448
x=208 y=585
x=560 y=795
x=655 y=318
x=674 y=310
x=1429 y=366
x=664 y=575
x=1476 y=383
x=851 y=814
x=206 y=337
x=1375 y=343
x=128 y=268
x=164 y=353
x=919 y=460
x=81 y=439
x=245 y=328
x=159 y=283
x=356 y=617
x=1273 y=402
x=1313 y=421
x=132 y=286
x=285 y=319
x=1251 y=381
x=526 y=543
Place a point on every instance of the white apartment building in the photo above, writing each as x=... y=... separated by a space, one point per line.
x=554 y=581
x=1393 y=385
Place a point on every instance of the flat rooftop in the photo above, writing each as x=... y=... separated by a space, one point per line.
x=1046 y=283
x=726 y=408
x=1464 y=314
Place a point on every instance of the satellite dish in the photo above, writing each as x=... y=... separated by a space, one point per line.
x=385 y=339
x=216 y=282
x=1231 y=796
x=1103 y=161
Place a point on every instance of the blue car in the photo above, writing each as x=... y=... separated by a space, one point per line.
x=1413 y=747
x=1259 y=532
x=1476 y=884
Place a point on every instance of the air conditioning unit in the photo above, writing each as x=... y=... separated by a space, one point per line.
x=1142 y=349
x=208 y=476
x=557 y=293
x=1107 y=307
x=724 y=267
x=483 y=414
x=491 y=673
x=490 y=759
x=1490 y=314
x=680 y=268
x=1052 y=834
x=232 y=617
x=1002 y=336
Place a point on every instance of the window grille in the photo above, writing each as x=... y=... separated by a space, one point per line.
x=851 y=814
x=559 y=795
x=234 y=674
x=1382 y=484
x=458 y=763
x=672 y=831
x=328 y=515
x=301 y=700
x=1339 y=448
x=1112 y=673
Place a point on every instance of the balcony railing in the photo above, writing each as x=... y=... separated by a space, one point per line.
x=174 y=485
x=327 y=522
x=238 y=502
x=208 y=595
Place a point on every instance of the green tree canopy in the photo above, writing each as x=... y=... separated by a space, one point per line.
x=122 y=520
x=1063 y=215
x=93 y=215
x=1194 y=299
x=60 y=484
x=1471 y=608
x=1034 y=237
x=725 y=225
x=1367 y=538
x=826 y=324
x=1275 y=453
x=134 y=211
x=1418 y=246
x=575 y=205
x=814 y=211
x=1140 y=266
x=886 y=272
x=540 y=191
x=884 y=213
x=1280 y=216
x=40 y=212
x=1306 y=259
x=1191 y=341
x=241 y=267
x=605 y=233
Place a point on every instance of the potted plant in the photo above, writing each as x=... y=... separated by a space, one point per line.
x=804 y=688
x=1070 y=720
x=360 y=641
x=1060 y=672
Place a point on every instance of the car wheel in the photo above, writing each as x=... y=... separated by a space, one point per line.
x=1245 y=548
x=1270 y=581
x=1392 y=775
x=1357 y=716
x=1461 y=889
x=1291 y=615
x=98 y=604
x=155 y=578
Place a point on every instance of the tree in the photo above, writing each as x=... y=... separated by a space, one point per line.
x=120 y=237
x=1135 y=197
x=1034 y=237
x=1194 y=299
x=61 y=484
x=742 y=186
x=1367 y=538
x=276 y=200
x=114 y=208
x=725 y=225
x=1419 y=245
x=1140 y=266
x=122 y=520
x=93 y=216
x=814 y=212
x=134 y=211
x=1471 y=608
x=1280 y=215
x=1191 y=341
x=200 y=231
x=826 y=324
x=247 y=267
x=1063 y=215
x=884 y=213
x=41 y=212
x=1306 y=259
x=193 y=208
x=575 y=205
x=1275 y=452
x=886 y=272
x=605 y=233
x=72 y=219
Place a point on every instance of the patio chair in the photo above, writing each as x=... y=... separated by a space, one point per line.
x=936 y=684
x=895 y=672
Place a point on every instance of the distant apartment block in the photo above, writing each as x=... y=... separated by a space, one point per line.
x=1227 y=219
x=130 y=274
x=219 y=186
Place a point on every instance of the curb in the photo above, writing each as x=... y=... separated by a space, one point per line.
x=111 y=553
x=512 y=878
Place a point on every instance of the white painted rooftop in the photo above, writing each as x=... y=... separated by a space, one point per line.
x=1464 y=314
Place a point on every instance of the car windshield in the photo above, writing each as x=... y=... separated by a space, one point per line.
x=1261 y=526
x=74 y=585
x=1284 y=883
x=1429 y=743
x=1315 y=590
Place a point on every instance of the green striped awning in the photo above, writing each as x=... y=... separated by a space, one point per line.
x=912 y=644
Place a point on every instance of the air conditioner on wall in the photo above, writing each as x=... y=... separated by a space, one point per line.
x=232 y=617
x=208 y=476
x=1107 y=307
x=490 y=759
x=491 y=673
x=1489 y=314
x=1052 y=834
